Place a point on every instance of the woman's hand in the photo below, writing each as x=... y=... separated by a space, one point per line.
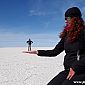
x=31 y=52
x=71 y=74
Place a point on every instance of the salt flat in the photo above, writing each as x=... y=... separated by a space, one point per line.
x=17 y=68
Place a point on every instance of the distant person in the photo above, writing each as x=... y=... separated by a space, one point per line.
x=29 y=44
x=73 y=42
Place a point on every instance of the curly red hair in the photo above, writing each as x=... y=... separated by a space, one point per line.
x=72 y=32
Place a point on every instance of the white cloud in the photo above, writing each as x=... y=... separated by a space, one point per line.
x=36 y=13
x=40 y=13
x=83 y=10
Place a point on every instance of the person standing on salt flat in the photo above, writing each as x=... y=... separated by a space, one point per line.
x=29 y=44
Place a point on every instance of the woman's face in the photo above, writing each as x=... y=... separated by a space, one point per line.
x=68 y=21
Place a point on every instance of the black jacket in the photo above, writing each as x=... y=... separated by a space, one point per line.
x=72 y=50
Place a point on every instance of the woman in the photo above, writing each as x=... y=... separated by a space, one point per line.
x=73 y=42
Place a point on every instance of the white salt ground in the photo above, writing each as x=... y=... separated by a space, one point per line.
x=17 y=68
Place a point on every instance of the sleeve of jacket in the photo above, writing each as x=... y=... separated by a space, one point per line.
x=79 y=66
x=54 y=52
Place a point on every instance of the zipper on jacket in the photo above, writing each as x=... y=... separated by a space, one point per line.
x=78 y=56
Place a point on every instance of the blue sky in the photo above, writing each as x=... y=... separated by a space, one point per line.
x=40 y=20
